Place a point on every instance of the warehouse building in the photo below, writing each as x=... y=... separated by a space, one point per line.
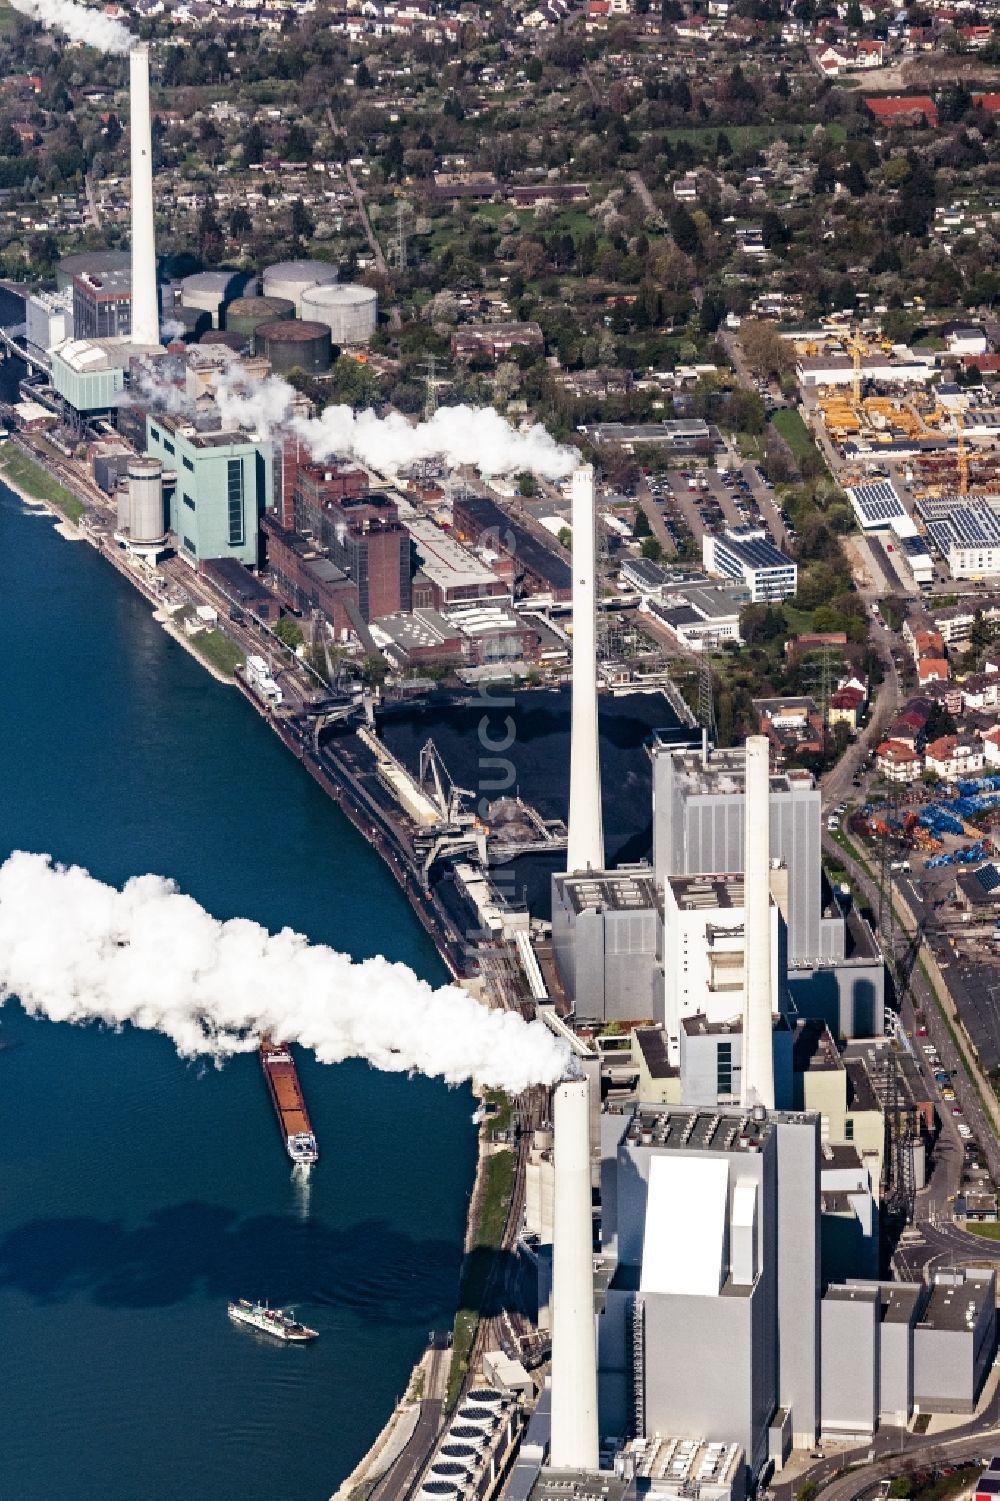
x=535 y=568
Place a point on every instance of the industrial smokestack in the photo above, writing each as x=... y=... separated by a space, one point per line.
x=574 y=1340
x=145 y=311
x=585 y=850
x=758 y=1043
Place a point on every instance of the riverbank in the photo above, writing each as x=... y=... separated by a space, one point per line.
x=490 y=1201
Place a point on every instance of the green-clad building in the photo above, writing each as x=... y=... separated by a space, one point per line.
x=217 y=486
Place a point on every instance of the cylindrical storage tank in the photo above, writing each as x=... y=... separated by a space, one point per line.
x=208 y=292
x=244 y=315
x=236 y=342
x=294 y=345
x=145 y=500
x=350 y=313
x=292 y=279
x=90 y=262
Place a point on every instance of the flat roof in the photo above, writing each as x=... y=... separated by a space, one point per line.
x=652 y=1044
x=445 y=561
x=707 y=891
x=578 y=1485
x=954 y=1306
x=704 y=1130
x=614 y=891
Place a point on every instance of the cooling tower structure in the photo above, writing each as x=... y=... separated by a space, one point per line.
x=350 y=313
x=292 y=279
x=574 y=1442
x=758 y=1046
x=145 y=502
x=145 y=311
x=585 y=846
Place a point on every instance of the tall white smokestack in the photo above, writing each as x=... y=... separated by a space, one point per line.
x=758 y=1044
x=145 y=312
x=585 y=848
x=573 y=1443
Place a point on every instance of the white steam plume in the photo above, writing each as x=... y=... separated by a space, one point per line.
x=80 y=23
x=477 y=436
x=172 y=328
x=74 y=949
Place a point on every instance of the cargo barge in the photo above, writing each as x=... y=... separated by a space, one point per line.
x=289 y=1106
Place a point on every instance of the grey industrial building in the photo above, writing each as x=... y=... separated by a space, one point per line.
x=715 y=1312
x=621 y=922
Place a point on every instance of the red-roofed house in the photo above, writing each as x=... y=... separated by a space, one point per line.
x=898 y=762
x=904 y=110
x=975 y=37
x=952 y=757
x=846 y=705
x=989 y=102
x=991 y=746
x=932 y=670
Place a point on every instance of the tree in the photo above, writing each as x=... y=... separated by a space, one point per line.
x=254 y=145
x=652 y=550
x=240 y=223
x=535 y=70
x=765 y=350
x=564 y=537
x=641 y=526
x=302 y=223
x=684 y=230
x=289 y=632
x=297 y=145
x=527 y=485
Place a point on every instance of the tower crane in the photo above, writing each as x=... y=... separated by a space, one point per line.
x=857 y=348
x=963 y=456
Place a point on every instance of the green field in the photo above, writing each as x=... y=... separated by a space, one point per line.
x=479 y=1264
x=36 y=481
x=988 y=1232
x=217 y=648
x=788 y=424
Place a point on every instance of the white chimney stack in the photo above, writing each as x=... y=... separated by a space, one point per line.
x=145 y=309
x=758 y=1040
x=573 y=1445
x=585 y=848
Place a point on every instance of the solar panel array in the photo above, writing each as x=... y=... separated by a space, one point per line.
x=877 y=502
x=953 y=522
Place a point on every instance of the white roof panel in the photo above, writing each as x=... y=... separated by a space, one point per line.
x=684 y=1248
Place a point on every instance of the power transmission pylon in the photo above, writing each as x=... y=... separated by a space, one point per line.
x=398 y=246
x=430 y=397
x=706 y=694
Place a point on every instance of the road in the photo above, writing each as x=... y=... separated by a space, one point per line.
x=959 y=1063
x=837 y=782
x=970 y=1444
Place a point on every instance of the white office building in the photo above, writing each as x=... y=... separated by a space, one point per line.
x=746 y=555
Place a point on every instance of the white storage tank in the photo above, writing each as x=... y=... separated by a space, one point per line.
x=145 y=501
x=350 y=312
x=292 y=279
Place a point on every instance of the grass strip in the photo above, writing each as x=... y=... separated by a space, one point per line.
x=480 y=1262
x=36 y=481
x=219 y=650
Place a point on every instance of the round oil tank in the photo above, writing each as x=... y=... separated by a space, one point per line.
x=90 y=262
x=209 y=291
x=350 y=313
x=145 y=500
x=292 y=345
x=246 y=314
x=292 y=279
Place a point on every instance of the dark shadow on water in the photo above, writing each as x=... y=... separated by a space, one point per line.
x=198 y=1249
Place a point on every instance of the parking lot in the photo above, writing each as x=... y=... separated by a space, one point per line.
x=697 y=501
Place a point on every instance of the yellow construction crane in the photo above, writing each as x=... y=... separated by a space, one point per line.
x=857 y=348
x=963 y=456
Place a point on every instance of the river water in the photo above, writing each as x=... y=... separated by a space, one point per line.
x=138 y=1192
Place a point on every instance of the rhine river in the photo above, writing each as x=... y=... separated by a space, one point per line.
x=137 y=1192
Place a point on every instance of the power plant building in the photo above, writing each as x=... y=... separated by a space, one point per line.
x=218 y=486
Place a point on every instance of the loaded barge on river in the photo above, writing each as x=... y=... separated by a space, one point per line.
x=289 y=1106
